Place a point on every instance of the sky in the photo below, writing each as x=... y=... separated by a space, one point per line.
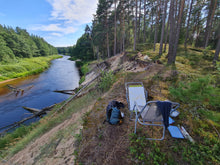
x=59 y=22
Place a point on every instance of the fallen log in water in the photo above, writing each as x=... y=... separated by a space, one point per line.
x=13 y=88
x=32 y=110
x=36 y=112
x=69 y=92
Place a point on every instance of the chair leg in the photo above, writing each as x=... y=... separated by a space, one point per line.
x=135 y=127
x=131 y=114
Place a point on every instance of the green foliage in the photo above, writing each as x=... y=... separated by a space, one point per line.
x=211 y=115
x=25 y=67
x=6 y=53
x=85 y=118
x=144 y=46
x=106 y=80
x=10 y=138
x=85 y=69
x=198 y=92
x=17 y=42
x=200 y=153
x=65 y=50
x=82 y=79
x=138 y=147
x=83 y=49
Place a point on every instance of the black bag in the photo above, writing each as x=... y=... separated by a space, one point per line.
x=113 y=114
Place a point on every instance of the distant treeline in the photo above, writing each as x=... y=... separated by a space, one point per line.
x=65 y=50
x=81 y=50
x=19 y=43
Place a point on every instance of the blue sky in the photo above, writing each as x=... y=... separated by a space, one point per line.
x=59 y=22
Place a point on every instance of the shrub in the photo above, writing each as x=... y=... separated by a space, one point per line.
x=85 y=69
x=106 y=80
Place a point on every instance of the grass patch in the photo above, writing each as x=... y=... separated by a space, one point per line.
x=84 y=69
x=23 y=67
x=198 y=92
x=211 y=115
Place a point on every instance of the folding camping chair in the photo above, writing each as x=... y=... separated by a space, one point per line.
x=135 y=91
x=150 y=115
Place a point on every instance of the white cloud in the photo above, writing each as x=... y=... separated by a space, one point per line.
x=67 y=18
x=54 y=28
x=56 y=34
x=78 y=11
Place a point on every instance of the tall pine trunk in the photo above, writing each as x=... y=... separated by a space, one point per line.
x=107 y=35
x=179 y=23
x=115 y=30
x=156 y=25
x=123 y=27
x=187 y=27
x=212 y=8
x=163 y=26
x=171 y=34
x=139 y=22
x=144 y=21
x=135 y=31
x=166 y=36
x=217 y=50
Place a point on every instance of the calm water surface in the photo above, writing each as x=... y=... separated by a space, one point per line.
x=38 y=90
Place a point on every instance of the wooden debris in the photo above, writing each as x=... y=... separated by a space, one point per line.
x=14 y=89
x=69 y=92
x=36 y=112
x=43 y=111
x=32 y=110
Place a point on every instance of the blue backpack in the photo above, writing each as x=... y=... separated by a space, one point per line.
x=115 y=116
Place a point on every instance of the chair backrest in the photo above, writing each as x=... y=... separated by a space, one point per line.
x=136 y=93
x=151 y=113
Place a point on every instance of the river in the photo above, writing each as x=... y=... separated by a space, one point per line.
x=38 y=91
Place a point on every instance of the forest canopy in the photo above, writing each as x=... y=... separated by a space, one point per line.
x=19 y=43
x=120 y=25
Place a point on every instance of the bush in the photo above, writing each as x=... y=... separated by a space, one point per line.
x=106 y=80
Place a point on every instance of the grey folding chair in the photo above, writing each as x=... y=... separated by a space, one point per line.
x=135 y=91
x=150 y=115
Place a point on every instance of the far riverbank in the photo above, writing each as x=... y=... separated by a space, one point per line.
x=24 y=67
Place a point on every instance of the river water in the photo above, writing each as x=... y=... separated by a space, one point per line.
x=38 y=91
